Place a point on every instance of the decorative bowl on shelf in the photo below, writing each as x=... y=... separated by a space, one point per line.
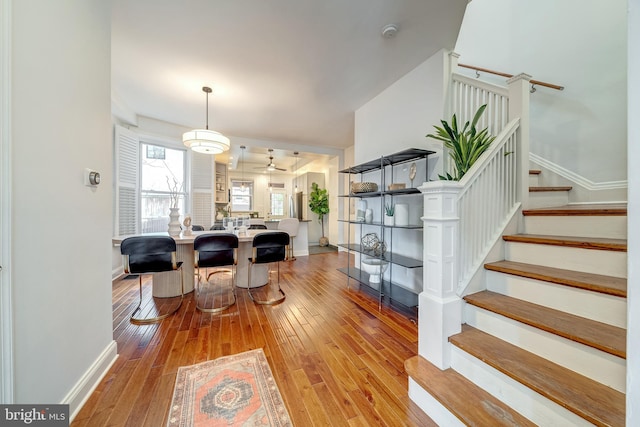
x=364 y=187
x=397 y=186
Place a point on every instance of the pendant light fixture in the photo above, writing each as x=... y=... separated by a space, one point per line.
x=295 y=153
x=205 y=140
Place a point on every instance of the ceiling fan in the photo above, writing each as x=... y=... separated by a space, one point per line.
x=271 y=166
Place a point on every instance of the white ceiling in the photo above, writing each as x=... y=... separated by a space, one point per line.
x=291 y=72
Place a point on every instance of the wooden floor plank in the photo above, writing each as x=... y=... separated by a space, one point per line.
x=318 y=342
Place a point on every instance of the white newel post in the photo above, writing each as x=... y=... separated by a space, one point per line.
x=440 y=309
x=519 y=88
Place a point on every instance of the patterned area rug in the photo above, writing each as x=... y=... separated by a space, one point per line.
x=237 y=390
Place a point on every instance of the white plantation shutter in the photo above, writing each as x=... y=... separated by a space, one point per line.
x=202 y=211
x=127 y=175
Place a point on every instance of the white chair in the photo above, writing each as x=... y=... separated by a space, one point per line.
x=290 y=226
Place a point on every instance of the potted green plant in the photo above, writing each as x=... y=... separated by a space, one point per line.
x=389 y=210
x=465 y=145
x=319 y=205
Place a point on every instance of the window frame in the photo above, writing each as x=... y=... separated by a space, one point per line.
x=281 y=192
x=251 y=185
x=184 y=195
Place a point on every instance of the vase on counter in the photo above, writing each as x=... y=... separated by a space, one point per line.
x=174 y=222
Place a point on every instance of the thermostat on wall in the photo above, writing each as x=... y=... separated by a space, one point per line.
x=91 y=178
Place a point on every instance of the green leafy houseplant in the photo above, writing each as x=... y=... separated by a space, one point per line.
x=389 y=209
x=465 y=145
x=319 y=205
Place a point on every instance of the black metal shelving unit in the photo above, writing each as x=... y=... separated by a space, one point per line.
x=388 y=292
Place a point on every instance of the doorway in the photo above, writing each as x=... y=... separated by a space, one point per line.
x=6 y=314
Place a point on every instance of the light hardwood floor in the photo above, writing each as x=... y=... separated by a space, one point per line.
x=337 y=359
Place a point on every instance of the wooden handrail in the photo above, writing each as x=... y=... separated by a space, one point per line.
x=498 y=73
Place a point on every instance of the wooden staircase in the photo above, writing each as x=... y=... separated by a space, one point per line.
x=545 y=343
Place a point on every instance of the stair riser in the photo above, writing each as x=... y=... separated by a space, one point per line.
x=527 y=402
x=608 y=263
x=592 y=305
x=431 y=406
x=592 y=363
x=534 y=180
x=612 y=227
x=547 y=199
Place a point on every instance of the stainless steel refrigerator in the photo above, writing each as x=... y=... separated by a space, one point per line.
x=296 y=207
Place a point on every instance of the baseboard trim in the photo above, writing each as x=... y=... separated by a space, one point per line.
x=82 y=390
x=117 y=273
x=574 y=177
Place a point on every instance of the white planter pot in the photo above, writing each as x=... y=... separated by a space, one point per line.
x=174 y=222
x=402 y=214
x=389 y=220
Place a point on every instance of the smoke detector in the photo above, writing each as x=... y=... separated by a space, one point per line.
x=389 y=31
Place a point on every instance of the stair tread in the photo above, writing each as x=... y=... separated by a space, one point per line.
x=601 y=336
x=597 y=403
x=471 y=404
x=557 y=188
x=534 y=171
x=570 y=241
x=594 y=282
x=609 y=209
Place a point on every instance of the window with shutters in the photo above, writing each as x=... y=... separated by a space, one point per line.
x=127 y=174
x=241 y=195
x=163 y=172
x=146 y=172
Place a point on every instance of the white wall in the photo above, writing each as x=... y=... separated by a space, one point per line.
x=396 y=119
x=61 y=243
x=577 y=44
x=399 y=117
x=633 y=254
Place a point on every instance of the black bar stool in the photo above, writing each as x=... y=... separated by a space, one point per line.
x=257 y=227
x=269 y=248
x=290 y=226
x=213 y=251
x=148 y=255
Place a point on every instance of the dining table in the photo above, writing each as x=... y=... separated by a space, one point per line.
x=167 y=284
